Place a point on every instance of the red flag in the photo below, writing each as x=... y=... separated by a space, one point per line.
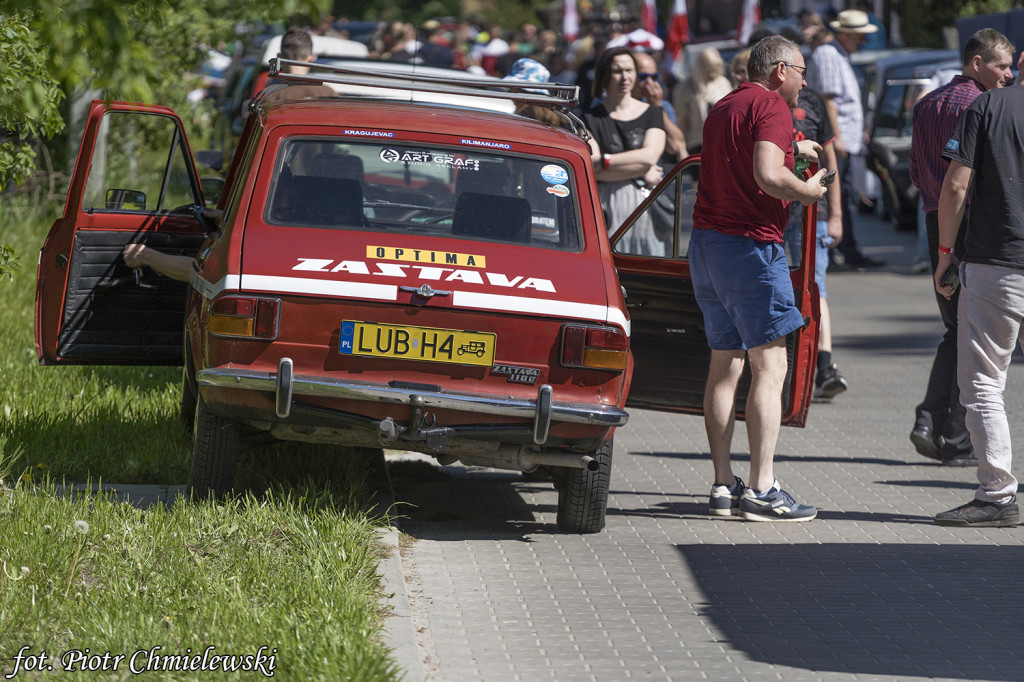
x=750 y=17
x=678 y=29
x=570 y=21
x=649 y=16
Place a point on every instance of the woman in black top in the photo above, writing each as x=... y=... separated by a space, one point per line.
x=628 y=140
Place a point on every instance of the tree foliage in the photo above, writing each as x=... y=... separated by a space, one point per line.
x=922 y=21
x=30 y=97
x=135 y=50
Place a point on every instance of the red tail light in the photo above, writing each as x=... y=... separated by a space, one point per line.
x=594 y=347
x=248 y=318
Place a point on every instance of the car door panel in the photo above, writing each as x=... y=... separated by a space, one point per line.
x=112 y=317
x=669 y=345
x=90 y=307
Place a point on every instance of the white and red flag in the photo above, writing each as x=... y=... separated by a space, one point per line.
x=570 y=21
x=649 y=16
x=678 y=29
x=750 y=17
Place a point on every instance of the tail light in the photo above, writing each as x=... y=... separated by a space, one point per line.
x=594 y=347
x=247 y=318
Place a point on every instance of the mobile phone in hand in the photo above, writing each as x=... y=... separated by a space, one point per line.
x=951 y=277
x=828 y=178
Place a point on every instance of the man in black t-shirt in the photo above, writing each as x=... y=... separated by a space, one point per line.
x=986 y=158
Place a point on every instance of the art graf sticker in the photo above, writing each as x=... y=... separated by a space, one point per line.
x=559 y=190
x=556 y=175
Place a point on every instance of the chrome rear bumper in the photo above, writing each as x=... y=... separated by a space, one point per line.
x=543 y=410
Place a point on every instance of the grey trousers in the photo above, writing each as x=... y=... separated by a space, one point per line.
x=990 y=315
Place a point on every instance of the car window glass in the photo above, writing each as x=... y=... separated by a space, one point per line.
x=892 y=111
x=438 y=191
x=663 y=229
x=139 y=164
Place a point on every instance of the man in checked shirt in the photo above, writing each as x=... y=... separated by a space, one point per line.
x=939 y=431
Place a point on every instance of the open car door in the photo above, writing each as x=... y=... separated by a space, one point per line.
x=134 y=181
x=669 y=345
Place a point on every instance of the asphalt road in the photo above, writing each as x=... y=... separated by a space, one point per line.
x=871 y=590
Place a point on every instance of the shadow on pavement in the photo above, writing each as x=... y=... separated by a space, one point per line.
x=782 y=457
x=460 y=503
x=872 y=609
x=698 y=511
x=894 y=345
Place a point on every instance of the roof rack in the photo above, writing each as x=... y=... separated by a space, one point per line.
x=559 y=98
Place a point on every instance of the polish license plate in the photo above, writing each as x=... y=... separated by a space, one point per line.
x=429 y=344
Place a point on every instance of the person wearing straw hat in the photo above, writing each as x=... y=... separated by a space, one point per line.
x=831 y=73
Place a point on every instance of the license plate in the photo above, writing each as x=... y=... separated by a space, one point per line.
x=417 y=343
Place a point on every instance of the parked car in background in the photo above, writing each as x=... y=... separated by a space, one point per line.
x=382 y=272
x=889 y=138
x=876 y=67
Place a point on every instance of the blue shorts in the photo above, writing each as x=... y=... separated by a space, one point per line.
x=743 y=289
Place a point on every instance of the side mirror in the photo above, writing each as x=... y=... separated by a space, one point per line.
x=212 y=187
x=126 y=199
x=211 y=158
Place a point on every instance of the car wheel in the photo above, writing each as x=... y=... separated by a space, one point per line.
x=215 y=450
x=583 y=498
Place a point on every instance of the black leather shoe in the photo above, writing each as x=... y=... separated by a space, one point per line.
x=926 y=442
x=966 y=459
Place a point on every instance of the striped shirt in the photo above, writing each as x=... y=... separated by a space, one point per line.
x=935 y=117
x=831 y=73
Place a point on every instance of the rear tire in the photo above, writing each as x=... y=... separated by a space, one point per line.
x=215 y=451
x=583 y=498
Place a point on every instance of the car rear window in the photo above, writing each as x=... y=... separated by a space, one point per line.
x=434 y=190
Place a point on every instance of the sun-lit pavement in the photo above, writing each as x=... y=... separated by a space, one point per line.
x=872 y=590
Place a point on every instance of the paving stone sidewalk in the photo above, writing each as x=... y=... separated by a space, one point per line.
x=872 y=590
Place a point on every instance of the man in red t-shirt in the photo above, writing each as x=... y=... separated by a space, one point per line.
x=740 y=275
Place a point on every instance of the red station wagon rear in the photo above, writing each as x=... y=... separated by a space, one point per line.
x=383 y=273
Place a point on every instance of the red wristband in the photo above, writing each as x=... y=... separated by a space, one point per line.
x=606 y=161
x=945 y=249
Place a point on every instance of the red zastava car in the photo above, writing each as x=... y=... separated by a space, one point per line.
x=425 y=273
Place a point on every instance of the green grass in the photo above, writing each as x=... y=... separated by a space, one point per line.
x=289 y=564
x=77 y=421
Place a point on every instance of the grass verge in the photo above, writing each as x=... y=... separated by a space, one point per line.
x=285 y=581
x=289 y=565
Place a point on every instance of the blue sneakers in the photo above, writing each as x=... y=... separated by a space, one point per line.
x=777 y=505
x=725 y=501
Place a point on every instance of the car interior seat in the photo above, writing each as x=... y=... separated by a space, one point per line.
x=493 y=178
x=492 y=217
x=338 y=166
x=324 y=201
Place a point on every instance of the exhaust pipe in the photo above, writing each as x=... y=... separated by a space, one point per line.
x=524 y=458
x=530 y=460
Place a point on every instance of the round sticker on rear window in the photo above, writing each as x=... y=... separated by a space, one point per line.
x=559 y=190
x=553 y=174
